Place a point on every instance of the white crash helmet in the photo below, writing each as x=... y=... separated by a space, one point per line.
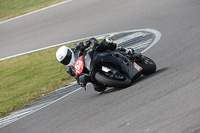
x=65 y=56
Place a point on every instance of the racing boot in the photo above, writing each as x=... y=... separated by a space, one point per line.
x=99 y=88
x=125 y=51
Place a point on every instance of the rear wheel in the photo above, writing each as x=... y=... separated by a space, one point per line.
x=148 y=65
x=113 y=80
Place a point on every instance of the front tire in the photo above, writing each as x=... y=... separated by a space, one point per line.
x=148 y=65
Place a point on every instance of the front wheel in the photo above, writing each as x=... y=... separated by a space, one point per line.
x=148 y=65
x=120 y=81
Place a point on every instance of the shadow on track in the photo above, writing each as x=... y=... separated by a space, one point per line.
x=142 y=78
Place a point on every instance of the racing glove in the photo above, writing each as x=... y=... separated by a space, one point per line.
x=83 y=79
x=93 y=43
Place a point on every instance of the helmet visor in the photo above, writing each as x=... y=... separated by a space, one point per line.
x=72 y=61
x=67 y=58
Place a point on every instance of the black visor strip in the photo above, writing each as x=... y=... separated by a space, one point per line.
x=67 y=58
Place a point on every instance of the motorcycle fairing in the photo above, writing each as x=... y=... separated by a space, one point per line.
x=88 y=59
x=78 y=66
x=118 y=59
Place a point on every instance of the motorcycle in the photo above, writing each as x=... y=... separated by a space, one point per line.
x=112 y=69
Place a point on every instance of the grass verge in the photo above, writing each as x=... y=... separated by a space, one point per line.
x=13 y=8
x=27 y=78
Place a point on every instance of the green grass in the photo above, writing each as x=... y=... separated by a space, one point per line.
x=13 y=8
x=27 y=78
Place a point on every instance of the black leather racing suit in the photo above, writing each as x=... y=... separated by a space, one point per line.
x=102 y=46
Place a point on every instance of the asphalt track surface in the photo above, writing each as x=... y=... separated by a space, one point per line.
x=165 y=102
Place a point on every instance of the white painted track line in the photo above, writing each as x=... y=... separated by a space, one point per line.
x=42 y=9
x=5 y=121
x=157 y=34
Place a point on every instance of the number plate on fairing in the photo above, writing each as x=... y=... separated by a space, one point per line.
x=137 y=67
x=79 y=65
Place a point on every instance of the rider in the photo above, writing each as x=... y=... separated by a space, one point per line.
x=66 y=56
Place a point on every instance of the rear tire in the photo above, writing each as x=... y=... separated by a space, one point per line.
x=107 y=81
x=148 y=66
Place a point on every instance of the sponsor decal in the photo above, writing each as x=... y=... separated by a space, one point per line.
x=137 y=67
